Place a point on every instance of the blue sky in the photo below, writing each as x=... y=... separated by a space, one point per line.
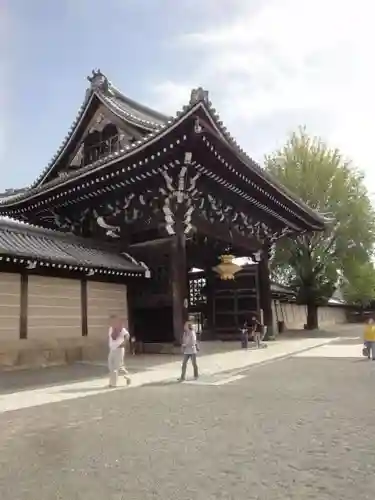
x=270 y=66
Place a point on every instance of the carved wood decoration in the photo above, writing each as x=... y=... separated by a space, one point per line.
x=179 y=197
x=174 y=200
x=215 y=210
x=178 y=193
x=172 y=191
x=78 y=223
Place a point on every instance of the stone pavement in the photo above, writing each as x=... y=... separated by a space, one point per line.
x=296 y=427
x=221 y=362
x=14 y=380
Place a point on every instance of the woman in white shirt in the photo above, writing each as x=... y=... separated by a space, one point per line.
x=117 y=337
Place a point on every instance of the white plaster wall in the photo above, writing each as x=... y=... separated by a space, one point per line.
x=295 y=316
x=331 y=315
x=10 y=302
x=54 y=308
x=104 y=300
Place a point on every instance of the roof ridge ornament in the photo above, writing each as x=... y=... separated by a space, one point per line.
x=98 y=80
x=198 y=95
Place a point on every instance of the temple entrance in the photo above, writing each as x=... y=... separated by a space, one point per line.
x=217 y=307
x=153 y=324
x=172 y=194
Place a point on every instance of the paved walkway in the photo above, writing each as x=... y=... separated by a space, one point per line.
x=291 y=428
x=221 y=362
x=28 y=379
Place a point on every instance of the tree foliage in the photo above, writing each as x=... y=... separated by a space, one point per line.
x=313 y=263
x=359 y=285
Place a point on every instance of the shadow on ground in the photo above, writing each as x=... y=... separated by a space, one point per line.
x=90 y=389
x=162 y=383
x=23 y=380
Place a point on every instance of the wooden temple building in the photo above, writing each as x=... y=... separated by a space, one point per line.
x=129 y=204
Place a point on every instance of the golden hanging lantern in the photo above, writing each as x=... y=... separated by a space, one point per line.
x=227 y=268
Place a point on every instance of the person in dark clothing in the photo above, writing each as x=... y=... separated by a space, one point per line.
x=244 y=336
x=133 y=345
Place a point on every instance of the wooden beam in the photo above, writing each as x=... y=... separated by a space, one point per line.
x=157 y=242
x=223 y=232
x=24 y=305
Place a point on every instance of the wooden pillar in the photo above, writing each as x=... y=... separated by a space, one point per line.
x=84 y=320
x=265 y=296
x=179 y=282
x=130 y=303
x=24 y=305
x=210 y=291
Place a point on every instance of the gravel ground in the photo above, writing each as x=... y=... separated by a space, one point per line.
x=292 y=429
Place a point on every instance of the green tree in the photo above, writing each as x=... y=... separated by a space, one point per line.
x=313 y=263
x=358 y=286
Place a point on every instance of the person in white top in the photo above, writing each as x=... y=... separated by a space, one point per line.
x=117 y=337
x=189 y=349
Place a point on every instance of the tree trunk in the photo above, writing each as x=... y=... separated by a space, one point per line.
x=312 y=317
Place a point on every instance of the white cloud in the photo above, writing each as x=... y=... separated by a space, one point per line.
x=170 y=96
x=287 y=60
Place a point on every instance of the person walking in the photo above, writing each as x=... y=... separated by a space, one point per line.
x=133 y=345
x=369 y=338
x=189 y=349
x=117 y=337
x=244 y=336
x=255 y=331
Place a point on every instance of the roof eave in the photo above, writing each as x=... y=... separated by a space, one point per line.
x=88 y=270
x=321 y=221
x=85 y=106
x=10 y=226
x=129 y=151
x=67 y=140
x=318 y=222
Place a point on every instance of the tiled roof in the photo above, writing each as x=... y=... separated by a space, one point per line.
x=156 y=125
x=276 y=288
x=132 y=111
x=30 y=244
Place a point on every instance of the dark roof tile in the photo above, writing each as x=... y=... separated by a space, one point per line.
x=23 y=240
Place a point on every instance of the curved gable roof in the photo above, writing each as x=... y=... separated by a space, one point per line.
x=155 y=125
x=120 y=105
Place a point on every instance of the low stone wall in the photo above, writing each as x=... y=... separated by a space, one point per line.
x=294 y=316
x=36 y=353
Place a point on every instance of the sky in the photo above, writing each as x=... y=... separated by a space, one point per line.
x=270 y=66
